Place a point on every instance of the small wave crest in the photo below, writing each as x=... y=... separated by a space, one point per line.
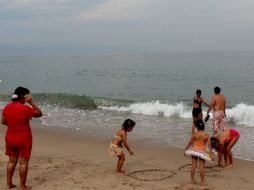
x=179 y=110
x=60 y=99
x=66 y=100
x=241 y=113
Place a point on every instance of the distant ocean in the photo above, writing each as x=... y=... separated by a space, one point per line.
x=95 y=93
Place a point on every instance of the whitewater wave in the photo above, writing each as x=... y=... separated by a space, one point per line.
x=241 y=113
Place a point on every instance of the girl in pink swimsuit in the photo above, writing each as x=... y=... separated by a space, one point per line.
x=223 y=143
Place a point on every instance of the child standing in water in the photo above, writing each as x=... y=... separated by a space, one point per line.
x=120 y=139
x=198 y=141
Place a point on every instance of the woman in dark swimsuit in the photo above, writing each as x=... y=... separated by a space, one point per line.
x=197 y=108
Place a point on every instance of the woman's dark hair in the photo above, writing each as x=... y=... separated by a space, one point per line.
x=127 y=124
x=215 y=143
x=19 y=93
x=198 y=92
x=200 y=125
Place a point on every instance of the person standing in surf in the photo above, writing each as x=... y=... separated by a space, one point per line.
x=218 y=105
x=197 y=108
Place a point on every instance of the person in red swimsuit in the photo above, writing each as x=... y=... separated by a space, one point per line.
x=223 y=143
x=18 y=137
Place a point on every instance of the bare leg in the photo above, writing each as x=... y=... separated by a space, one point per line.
x=225 y=154
x=23 y=170
x=202 y=171
x=229 y=147
x=120 y=162
x=193 y=167
x=200 y=116
x=194 y=119
x=10 y=171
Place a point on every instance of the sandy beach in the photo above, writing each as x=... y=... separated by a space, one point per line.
x=62 y=159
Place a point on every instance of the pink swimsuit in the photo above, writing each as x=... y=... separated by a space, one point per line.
x=233 y=133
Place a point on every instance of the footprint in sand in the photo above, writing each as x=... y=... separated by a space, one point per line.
x=151 y=174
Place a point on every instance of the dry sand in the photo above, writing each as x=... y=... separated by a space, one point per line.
x=63 y=160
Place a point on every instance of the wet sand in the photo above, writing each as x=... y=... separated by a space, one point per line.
x=64 y=159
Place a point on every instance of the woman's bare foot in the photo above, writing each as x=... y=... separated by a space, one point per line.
x=26 y=188
x=203 y=183
x=11 y=186
x=120 y=172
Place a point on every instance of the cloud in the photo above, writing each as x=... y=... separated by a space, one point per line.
x=117 y=10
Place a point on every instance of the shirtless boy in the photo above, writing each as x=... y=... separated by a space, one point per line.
x=218 y=104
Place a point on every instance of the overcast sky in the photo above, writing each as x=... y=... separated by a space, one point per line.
x=126 y=25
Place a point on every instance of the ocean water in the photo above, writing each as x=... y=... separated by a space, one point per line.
x=95 y=93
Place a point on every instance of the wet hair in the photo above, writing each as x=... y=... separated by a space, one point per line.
x=200 y=125
x=127 y=124
x=19 y=93
x=217 y=90
x=215 y=143
x=198 y=92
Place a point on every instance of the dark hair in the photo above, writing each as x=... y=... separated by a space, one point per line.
x=198 y=92
x=200 y=125
x=217 y=90
x=214 y=143
x=19 y=93
x=127 y=124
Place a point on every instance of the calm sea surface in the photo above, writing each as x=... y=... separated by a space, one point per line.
x=95 y=93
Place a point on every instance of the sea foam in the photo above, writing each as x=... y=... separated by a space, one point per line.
x=241 y=113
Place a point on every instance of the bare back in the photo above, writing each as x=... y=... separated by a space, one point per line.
x=218 y=102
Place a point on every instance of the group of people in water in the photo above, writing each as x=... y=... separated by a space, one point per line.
x=222 y=140
x=16 y=115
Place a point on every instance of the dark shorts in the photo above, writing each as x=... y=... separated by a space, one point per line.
x=18 y=145
x=196 y=112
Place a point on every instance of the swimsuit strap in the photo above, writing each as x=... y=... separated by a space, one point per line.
x=197 y=102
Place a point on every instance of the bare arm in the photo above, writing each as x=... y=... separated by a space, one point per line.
x=29 y=100
x=208 y=105
x=126 y=144
x=220 y=153
x=211 y=105
x=189 y=143
x=3 y=121
x=210 y=147
x=225 y=107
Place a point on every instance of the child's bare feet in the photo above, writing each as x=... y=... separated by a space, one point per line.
x=193 y=182
x=11 y=186
x=26 y=188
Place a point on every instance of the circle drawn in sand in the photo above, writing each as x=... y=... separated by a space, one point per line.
x=187 y=168
x=151 y=174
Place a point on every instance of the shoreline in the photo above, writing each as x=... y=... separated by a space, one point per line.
x=65 y=159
